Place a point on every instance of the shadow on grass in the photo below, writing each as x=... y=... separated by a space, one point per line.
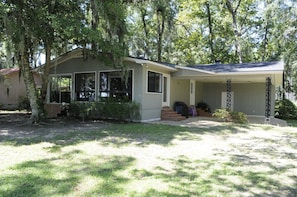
x=47 y=178
x=62 y=133
x=208 y=178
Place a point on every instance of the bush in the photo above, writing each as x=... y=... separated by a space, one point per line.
x=222 y=114
x=230 y=116
x=24 y=103
x=285 y=109
x=239 y=117
x=126 y=111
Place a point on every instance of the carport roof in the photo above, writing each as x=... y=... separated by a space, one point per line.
x=243 y=67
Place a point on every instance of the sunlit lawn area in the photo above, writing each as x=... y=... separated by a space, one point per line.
x=149 y=160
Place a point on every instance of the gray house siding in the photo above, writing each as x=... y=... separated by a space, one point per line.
x=248 y=98
x=180 y=91
x=150 y=103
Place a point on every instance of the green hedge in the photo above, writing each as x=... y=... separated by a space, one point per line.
x=285 y=109
x=110 y=110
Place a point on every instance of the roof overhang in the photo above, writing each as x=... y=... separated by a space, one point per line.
x=244 y=76
x=151 y=64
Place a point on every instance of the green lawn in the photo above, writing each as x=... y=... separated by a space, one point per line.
x=148 y=160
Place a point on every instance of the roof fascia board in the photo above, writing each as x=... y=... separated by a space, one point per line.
x=142 y=62
x=195 y=69
x=249 y=73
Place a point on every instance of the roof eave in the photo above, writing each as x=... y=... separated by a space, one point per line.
x=195 y=69
x=143 y=62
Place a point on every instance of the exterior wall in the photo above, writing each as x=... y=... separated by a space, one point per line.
x=199 y=93
x=12 y=88
x=248 y=98
x=179 y=91
x=150 y=103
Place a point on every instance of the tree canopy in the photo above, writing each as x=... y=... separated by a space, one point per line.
x=175 y=31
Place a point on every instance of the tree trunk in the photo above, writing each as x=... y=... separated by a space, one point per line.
x=146 y=33
x=210 y=38
x=237 y=32
x=46 y=70
x=161 y=26
x=29 y=82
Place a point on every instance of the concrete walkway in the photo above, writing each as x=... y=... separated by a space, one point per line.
x=206 y=122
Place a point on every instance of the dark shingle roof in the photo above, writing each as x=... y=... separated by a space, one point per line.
x=244 y=67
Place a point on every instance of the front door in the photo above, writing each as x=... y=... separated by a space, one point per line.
x=166 y=90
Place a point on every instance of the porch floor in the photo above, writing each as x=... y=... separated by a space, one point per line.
x=205 y=122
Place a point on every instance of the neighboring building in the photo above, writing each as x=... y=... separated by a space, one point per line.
x=247 y=87
x=12 y=87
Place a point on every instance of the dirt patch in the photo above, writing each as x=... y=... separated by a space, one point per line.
x=17 y=124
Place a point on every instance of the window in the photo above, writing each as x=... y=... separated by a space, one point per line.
x=60 y=89
x=113 y=84
x=85 y=86
x=154 y=82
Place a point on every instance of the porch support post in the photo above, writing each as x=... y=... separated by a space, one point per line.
x=229 y=96
x=192 y=92
x=268 y=100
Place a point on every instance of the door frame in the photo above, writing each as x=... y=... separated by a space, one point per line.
x=165 y=90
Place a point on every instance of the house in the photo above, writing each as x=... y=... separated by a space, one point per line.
x=249 y=87
x=12 y=87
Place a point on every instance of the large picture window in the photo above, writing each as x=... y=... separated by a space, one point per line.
x=154 y=82
x=60 y=89
x=85 y=86
x=114 y=85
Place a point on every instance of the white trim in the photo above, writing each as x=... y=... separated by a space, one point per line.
x=250 y=73
x=142 y=62
x=161 y=85
x=151 y=120
x=195 y=69
x=117 y=70
x=167 y=103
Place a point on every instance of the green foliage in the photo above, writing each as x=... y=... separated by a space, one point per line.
x=285 y=109
x=239 y=117
x=230 y=116
x=122 y=111
x=24 y=103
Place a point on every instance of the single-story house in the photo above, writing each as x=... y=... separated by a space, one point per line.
x=247 y=87
x=12 y=87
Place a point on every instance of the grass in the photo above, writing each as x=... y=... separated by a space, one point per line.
x=149 y=160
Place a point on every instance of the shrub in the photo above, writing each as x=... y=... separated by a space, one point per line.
x=222 y=114
x=24 y=103
x=126 y=111
x=285 y=109
x=230 y=116
x=239 y=117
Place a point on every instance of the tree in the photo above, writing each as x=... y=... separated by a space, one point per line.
x=152 y=24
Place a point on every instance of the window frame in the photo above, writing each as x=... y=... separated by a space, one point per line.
x=108 y=91
x=49 y=90
x=75 y=88
x=160 y=82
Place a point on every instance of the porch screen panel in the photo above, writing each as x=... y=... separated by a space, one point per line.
x=85 y=86
x=114 y=85
x=60 y=89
